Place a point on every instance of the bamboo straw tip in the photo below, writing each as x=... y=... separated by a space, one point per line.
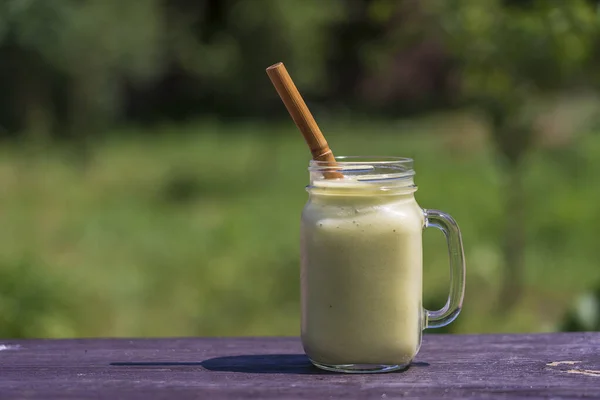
x=275 y=66
x=301 y=115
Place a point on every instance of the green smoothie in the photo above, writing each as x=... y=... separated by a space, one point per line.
x=361 y=274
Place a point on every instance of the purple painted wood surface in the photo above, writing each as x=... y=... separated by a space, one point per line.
x=560 y=366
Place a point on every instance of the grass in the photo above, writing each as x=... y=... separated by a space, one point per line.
x=193 y=230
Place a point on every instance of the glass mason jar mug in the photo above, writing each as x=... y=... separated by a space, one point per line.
x=362 y=268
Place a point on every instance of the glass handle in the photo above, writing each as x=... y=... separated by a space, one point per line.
x=447 y=224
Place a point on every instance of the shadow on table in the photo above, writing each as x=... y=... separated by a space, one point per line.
x=258 y=364
x=264 y=364
x=271 y=364
x=252 y=364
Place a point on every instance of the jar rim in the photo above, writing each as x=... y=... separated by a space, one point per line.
x=382 y=173
x=369 y=167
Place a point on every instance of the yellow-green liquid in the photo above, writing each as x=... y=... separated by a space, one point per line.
x=361 y=278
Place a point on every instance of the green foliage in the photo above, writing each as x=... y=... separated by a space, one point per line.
x=99 y=46
x=162 y=236
x=160 y=230
x=96 y=44
x=508 y=56
x=107 y=36
x=33 y=301
x=504 y=51
x=231 y=60
x=503 y=54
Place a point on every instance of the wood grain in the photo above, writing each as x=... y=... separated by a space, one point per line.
x=302 y=117
x=558 y=366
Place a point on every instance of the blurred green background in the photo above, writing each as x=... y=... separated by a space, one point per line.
x=151 y=181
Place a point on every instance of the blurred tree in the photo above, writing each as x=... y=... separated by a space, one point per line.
x=346 y=62
x=405 y=66
x=73 y=66
x=97 y=44
x=226 y=46
x=508 y=55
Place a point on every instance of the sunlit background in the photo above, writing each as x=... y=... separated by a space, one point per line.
x=151 y=181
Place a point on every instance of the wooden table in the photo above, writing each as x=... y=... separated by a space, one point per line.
x=558 y=365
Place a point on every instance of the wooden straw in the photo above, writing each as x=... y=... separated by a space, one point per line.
x=302 y=117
